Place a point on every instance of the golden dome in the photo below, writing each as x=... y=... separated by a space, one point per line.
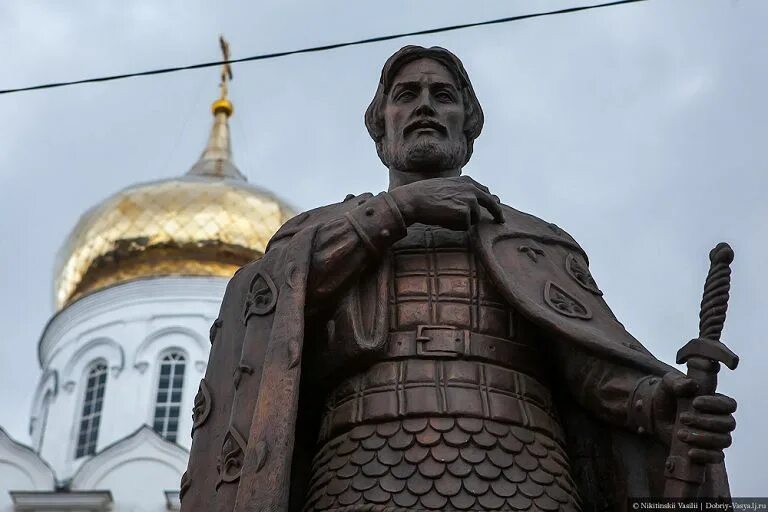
x=208 y=222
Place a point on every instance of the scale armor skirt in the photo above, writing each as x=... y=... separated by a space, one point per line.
x=441 y=463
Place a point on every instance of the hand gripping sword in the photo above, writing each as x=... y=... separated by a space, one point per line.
x=703 y=356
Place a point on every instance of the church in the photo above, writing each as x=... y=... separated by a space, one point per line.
x=138 y=284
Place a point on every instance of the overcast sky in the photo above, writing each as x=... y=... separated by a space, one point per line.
x=640 y=129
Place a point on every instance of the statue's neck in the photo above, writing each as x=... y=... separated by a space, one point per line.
x=398 y=178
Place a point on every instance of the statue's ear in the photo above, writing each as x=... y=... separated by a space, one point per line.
x=473 y=114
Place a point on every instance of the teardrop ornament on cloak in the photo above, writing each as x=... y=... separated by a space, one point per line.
x=202 y=406
x=580 y=273
x=261 y=297
x=184 y=485
x=232 y=456
x=565 y=303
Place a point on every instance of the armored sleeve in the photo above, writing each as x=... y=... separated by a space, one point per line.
x=617 y=394
x=346 y=244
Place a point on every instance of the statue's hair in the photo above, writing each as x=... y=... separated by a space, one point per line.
x=473 y=114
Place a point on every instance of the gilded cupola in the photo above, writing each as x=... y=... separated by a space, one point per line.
x=208 y=222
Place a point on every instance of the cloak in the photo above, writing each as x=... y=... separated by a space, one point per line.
x=245 y=416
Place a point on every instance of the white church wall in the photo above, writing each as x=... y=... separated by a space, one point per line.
x=129 y=327
x=47 y=389
x=165 y=341
x=20 y=469
x=138 y=470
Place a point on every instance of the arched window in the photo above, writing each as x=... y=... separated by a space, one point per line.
x=92 y=405
x=168 y=403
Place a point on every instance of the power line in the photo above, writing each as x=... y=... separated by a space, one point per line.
x=319 y=48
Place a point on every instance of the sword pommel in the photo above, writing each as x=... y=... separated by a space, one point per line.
x=722 y=253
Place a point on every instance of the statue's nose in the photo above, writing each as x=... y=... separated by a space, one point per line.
x=424 y=107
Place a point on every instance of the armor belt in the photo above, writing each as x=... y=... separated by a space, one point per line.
x=445 y=341
x=405 y=388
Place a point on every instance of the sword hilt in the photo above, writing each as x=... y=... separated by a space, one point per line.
x=703 y=356
x=704 y=353
x=717 y=287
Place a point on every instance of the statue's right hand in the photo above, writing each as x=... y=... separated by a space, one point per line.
x=453 y=203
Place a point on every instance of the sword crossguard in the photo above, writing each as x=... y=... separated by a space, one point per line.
x=709 y=349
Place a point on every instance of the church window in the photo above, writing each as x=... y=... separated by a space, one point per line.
x=92 y=405
x=168 y=403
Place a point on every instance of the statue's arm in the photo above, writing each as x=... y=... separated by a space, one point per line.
x=647 y=404
x=348 y=239
x=357 y=236
x=617 y=394
x=347 y=242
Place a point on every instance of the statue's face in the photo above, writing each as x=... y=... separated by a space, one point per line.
x=424 y=119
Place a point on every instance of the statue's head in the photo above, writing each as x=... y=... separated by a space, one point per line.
x=424 y=117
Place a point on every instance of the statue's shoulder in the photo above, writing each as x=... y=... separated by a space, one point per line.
x=317 y=216
x=518 y=222
x=244 y=275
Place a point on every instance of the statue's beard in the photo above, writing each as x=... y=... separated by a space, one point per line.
x=425 y=155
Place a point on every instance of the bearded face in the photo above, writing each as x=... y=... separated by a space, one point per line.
x=424 y=120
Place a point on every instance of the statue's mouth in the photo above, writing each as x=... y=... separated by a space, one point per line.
x=425 y=124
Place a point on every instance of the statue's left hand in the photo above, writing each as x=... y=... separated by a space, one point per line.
x=706 y=427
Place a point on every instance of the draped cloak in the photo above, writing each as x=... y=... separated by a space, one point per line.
x=247 y=408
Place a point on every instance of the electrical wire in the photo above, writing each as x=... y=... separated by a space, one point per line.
x=319 y=48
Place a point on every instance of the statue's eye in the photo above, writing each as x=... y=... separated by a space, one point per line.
x=405 y=96
x=444 y=96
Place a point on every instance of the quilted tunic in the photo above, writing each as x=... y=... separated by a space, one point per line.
x=452 y=428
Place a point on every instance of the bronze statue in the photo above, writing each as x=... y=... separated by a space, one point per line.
x=430 y=348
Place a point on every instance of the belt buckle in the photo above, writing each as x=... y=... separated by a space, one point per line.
x=450 y=342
